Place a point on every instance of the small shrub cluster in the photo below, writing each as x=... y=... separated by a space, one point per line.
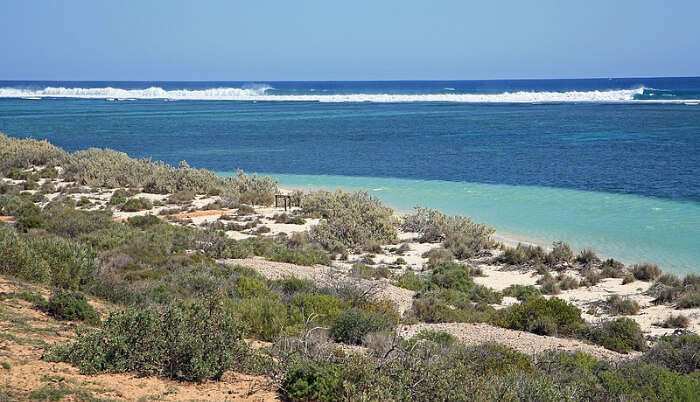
x=617 y=305
x=521 y=292
x=542 y=316
x=24 y=153
x=136 y=204
x=71 y=306
x=679 y=353
x=646 y=272
x=621 y=335
x=685 y=293
x=353 y=325
x=191 y=342
x=462 y=237
x=348 y=219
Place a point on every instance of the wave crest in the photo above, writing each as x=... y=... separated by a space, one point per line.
x=258 y=92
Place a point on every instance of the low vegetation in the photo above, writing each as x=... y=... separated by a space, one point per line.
x=179 y=312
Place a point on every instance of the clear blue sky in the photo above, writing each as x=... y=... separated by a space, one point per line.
x=347 y=40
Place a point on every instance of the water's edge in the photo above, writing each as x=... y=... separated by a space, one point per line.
x=627 y=227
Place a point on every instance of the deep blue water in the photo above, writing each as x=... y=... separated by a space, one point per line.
x=639 y=137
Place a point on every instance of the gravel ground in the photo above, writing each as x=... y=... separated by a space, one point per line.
x=525 y=342
x=327 y=276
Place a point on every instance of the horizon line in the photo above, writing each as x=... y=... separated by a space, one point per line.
x=354 y=80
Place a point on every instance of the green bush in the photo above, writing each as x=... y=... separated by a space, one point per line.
x=450 y=306
x=72 y=306
x=349 y=219
x=409 y=280
x=451 y=275
x=542 y=316
x=620 y=335
x=247 y=288
x=310 y=381
x=136 y=204
x=679 y=353
x=264 y=318
x=324 y=308
x=19 y=259
x=439 y=337
x=52 y=260
x=354 y=324
x=639 y=382
x=521 y=292
x=186 y=342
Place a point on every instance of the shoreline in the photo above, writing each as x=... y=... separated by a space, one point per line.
x=630 y=228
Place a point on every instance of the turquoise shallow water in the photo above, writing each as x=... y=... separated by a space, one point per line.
x=630 y=228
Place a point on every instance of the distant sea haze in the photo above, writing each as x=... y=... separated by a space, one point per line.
x=560 y=151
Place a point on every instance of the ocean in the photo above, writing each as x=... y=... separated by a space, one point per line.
x=611 y=164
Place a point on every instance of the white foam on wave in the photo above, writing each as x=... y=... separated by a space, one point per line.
x=259 y=93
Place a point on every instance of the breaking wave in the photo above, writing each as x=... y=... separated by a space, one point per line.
x=261 y=93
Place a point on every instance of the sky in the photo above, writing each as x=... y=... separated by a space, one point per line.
x=231 y=40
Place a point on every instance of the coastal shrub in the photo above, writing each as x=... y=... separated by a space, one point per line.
x=311 y=381
x=256 y=190
x=621 y=335
x=230 y=194
x=523 y=255
x=548 y=285
x=24 y=153
x=18 y=258
x=451 y=275
x=459 y=234
x=355 y=323
x=676 y=321
x=325 y=309
x=63 y=220
x=611 y=268
x=689 y=299
x=143 y=221
x=191 y=342
x=247 y=288
x=542 y=316
x=678 y=352
x=409 y=280
x=136 y=204
x=617 y=305
x=450 y=306
x=437 y=256
x=561 y=253
x=521 y=292
x=587 y=257
x=348 y=219
x=649 y=382
x=71 y=306
x=264 y=318
x=567 y=282
x=181 y=197
x=27 y=215
x=366 y=272
x=440 y=337
x=646 y=272
x=108 y=168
